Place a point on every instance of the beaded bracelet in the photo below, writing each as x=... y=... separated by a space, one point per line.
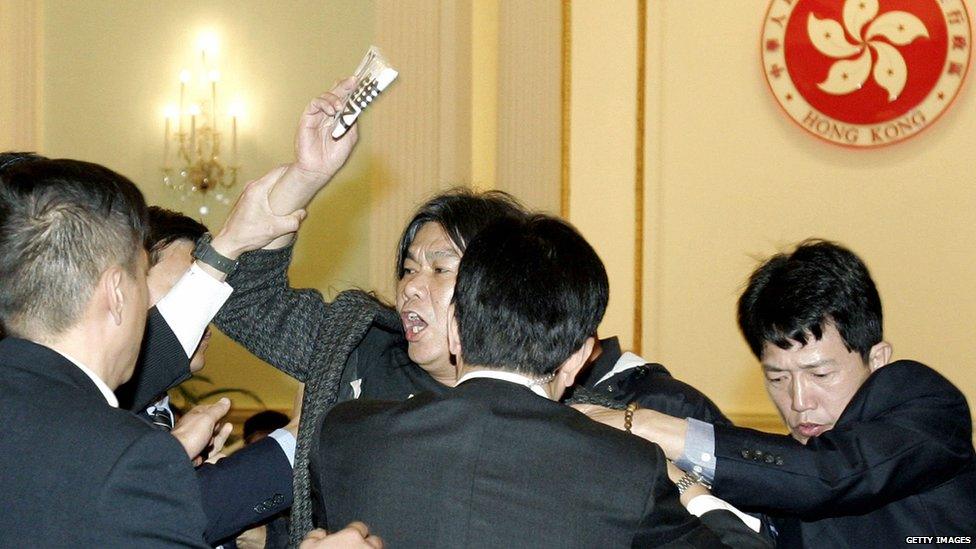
x=629 y=416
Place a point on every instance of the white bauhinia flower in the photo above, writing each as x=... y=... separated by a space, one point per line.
x=849 y=73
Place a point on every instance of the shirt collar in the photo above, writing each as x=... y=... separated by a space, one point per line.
x=102 y=387
x=609 y=354
x=161 y=404
x=511 y=377
x=627 y=361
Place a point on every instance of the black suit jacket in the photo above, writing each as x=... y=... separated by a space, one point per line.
x=899 y=462
x=490 y=464
x=162 y=364
x=650 y=385
x=251 y=486
x=245 y=488
x=77 y=472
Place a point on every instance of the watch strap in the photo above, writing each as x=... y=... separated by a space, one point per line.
x=689 y=479
x=205 y=252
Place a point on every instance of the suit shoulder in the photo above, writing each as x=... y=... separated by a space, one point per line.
x=154 y=460
x=151 y=476
x=913 y=379
x=902 y=369
x=365 y=411
x=89 y=415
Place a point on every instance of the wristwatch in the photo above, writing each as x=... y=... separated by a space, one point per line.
x=206 y=253
x=688 y=480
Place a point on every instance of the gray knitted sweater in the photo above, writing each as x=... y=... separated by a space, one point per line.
x=301 y=334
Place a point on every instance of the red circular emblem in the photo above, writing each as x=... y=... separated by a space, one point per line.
x=865 y=73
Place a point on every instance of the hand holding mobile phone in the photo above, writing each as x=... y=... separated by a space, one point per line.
x=373 y=76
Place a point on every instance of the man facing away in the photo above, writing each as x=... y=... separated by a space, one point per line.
x=497 y=461
x=879 y=452
x=73 y=301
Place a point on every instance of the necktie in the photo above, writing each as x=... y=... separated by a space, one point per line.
x=162 y=418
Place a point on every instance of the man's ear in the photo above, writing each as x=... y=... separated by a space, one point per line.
x=572 y=366
x=453 y=332
x=110 y=286
x=880 y=355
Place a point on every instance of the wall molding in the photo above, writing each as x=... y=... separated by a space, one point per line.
x=565 y=97
x=639 y=179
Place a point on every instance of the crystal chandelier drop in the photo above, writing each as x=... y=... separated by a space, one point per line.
x=195 y=161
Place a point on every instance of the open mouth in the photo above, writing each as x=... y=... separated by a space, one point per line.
x=413 y=324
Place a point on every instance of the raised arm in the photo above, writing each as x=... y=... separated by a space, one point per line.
x=317 y=155
x=275 y=322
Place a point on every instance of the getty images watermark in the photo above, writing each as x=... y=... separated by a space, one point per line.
x=938 y=539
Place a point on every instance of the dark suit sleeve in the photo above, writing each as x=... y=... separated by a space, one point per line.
x=247 y=487
x=732 y=531
x=162 y=364
x=902 y=434
x=150 y=498
x=667 y=523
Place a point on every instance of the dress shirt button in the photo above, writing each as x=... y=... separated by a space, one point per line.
x=706 y=457
x=697 y=468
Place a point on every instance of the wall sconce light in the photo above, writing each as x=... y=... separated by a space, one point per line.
x=192 y=155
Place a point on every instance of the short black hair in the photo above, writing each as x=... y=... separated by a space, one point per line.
x=10 y=158
x=791 y=297
x=528 y=294
x=62 y=223
x=166 y=227
x=462 y=213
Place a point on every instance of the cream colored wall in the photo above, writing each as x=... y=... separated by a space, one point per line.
x=529 y=155
x=731 y=178
x=20 y=64
x=111 y=66
x=602 y=160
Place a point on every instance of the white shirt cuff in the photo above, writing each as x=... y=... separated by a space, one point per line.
x=287 y=442
x=699 y=505
x=191 y=304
